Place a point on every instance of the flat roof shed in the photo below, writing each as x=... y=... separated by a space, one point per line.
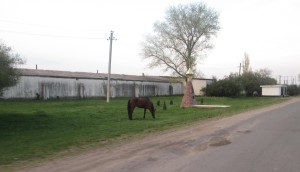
x=274 y=90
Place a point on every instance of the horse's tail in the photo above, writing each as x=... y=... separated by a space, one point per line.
x=129 y=110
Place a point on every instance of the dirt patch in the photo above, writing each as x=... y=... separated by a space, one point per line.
x=219 y=141
x=214 y=141
x=244 y=131
x=201 y=147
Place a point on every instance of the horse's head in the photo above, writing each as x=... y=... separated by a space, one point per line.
x=152 y=110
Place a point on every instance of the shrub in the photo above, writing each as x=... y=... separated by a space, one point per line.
x=293 y=90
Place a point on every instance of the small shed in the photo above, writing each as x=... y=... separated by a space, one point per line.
x=274 y=90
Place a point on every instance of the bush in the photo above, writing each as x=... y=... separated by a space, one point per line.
x=228 y=87
x=9 y=75
x=293 y=90
x=234 y=85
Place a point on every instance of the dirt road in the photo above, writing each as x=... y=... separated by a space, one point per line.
x=165 y=151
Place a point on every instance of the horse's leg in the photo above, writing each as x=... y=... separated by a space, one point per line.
x=128 y=108
x=144 y=112
x=130 y=114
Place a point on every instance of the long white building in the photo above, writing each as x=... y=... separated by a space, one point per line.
x=50 y=84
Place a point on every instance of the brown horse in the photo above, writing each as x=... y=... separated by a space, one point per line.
x=141 y=103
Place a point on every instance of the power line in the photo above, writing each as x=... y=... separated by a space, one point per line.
x=288 y=80
x=48 y=26
x=48 y=35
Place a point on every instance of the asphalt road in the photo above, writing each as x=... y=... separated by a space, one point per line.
x=263 y=140
x=268 y=142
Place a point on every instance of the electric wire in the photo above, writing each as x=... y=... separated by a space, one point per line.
x=49 y=35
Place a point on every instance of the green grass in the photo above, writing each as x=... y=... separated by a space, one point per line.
x=34 y=130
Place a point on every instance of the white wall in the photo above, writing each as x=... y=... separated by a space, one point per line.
x=274 y=90
x=51 y=87
x=198 y=85
x=271 y=91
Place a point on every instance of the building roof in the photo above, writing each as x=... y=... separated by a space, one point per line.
x=87 y=75
x=272 y=86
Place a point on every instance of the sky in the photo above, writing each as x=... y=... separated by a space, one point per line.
x=71 y=35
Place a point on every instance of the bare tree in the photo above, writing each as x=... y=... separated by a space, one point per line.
x=177 y=42
x=265 y=72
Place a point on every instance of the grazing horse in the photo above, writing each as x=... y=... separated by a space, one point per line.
x=141 y=103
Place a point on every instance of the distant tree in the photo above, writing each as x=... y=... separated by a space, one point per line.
x=177 y=42
x=246 y=63
x=265 y=72
x=234 y=84
x=252 y=81
x=198 y=74
x=9 y=75
x=293 y=90
x=228 y=87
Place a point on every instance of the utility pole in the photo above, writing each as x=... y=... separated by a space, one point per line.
x=240 y=69
x=111 y=38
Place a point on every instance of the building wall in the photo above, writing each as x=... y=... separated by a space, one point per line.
x=30 y=87
x=274 y=90
x=271 y=91
x=198 y=84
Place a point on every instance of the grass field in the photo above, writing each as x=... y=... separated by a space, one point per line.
x=33 y=130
